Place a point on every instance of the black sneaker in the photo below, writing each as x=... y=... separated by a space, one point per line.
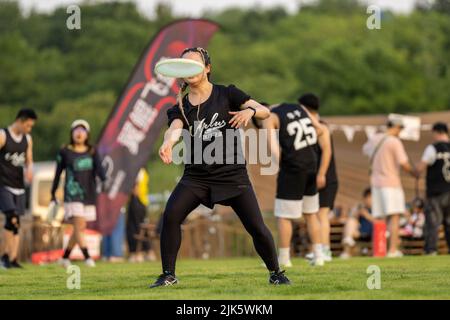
x=164 y=280
x=15 y=264
x=5 y=262
x=278 y=277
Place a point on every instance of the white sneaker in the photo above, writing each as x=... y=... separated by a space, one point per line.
x=327 y=255
x=90 y=263
x=309 y=256
x=150 y=256
x=285 y=264
x=345 y=256
x=349 y=241
x=396 y=254
x=64 y=263
x=317 y=262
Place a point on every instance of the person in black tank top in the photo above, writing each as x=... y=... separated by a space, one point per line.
x=296 y=183
x=16 y=166
x=208 y=113
x=327 y=182
x=436 y=162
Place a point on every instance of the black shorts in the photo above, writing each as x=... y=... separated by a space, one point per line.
x=327 y=195
x=11 y=202
x=211 y=194
x=295 y=185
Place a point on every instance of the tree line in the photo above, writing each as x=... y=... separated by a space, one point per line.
x=324 y=48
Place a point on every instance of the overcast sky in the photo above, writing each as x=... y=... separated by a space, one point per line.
x=195 y=8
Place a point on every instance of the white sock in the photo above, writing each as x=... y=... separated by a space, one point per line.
x=317 y=248
x=284 y=254
x=326 y=248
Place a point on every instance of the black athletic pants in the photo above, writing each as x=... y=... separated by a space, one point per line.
x=438 y=213
x=183 y=200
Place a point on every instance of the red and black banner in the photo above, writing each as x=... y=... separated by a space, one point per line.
x=139 y=115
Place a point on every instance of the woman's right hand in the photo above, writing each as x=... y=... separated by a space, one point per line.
x=165 y=152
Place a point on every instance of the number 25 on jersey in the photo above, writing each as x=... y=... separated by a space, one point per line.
x=305 y=134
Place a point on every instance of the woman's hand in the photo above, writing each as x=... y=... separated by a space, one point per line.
x=240 y=117
x=165 y=152
x=171 y=136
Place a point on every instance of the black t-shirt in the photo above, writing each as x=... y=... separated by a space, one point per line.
x=438 y=174
x=298 y=139
x=12 y=161
x=81 y=170
x=211 y=134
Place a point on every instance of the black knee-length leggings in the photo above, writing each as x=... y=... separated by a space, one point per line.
x=183 y=200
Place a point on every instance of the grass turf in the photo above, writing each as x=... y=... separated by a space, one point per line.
x=238 y=278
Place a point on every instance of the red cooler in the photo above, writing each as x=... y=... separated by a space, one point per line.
x=379 y=239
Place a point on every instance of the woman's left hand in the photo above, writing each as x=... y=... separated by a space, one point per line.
x=240 y=117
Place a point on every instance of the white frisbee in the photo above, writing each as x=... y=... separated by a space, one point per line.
x=179 y=68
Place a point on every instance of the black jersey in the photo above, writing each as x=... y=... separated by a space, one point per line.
x=12 y=161
x=81 y=170
x=209 y=128
x=298 y=139
x=438 y=174
x=331 y=175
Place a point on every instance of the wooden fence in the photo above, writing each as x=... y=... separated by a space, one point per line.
x=204 y=237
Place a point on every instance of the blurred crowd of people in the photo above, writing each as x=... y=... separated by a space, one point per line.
x=384 y=199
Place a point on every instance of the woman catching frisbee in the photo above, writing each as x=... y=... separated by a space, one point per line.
x=211 y=113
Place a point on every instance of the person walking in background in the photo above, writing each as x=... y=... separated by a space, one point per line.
x=327 y=182
x=359 y=224
x=436 y=162
x=16 y=154
x=387 y=155
x=82 y=165
x=137 y=212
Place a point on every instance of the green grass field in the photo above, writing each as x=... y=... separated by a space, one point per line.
x=240 y=278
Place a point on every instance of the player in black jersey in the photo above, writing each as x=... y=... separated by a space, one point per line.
x=327 y=182
x=296 y=183
x=209 y=113
x=436 y=162
x=82 y=165
x=16 y=154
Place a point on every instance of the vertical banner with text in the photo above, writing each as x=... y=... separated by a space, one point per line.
x=139 y=115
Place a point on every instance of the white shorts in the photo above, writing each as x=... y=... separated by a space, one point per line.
x=293 y=209
x=78 y=209
x=387 y=201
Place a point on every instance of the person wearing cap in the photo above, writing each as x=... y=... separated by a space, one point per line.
x=82 y=165
x=436 y=162
x=387 y=157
